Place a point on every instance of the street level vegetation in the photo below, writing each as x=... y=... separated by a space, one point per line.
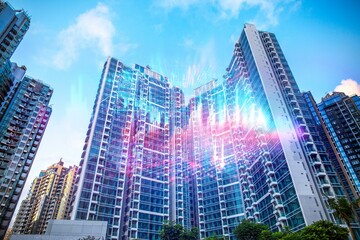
x=247 y=230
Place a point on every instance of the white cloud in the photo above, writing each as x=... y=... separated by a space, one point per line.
x=269 y=9
x=349 y=87
x=92 y=29
x=267 y=15
x=183 y=4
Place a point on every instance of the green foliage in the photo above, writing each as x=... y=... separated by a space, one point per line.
x=268 y=235
x=292 y=236
x=342 y=209
x=321 y=230
x=265 y=235
x=172 y=231
x=193 y=234
x=324 y=230
x=248 y=230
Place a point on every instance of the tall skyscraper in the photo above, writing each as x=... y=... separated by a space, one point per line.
x=244 y=147
x=13 y=26
x=50 y=197
x=181 y=183
x=338 y=118
x=292 y=170
x=254 y=155
x=9 y=76
x=24 y=115
x=218 y=196
x=124 y=170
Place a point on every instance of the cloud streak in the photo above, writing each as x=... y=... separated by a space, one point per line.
x=268 y=11
x=349 y=87
x=91 y=30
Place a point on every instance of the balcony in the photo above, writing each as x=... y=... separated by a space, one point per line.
x=316 y=163
x=249 y=208
x=321 y=174
x=268 y=162
x=279 y=205
x=312 y=152
x=265 y=153
x=273 y=183
x=276 y=195
x=305 y=133
x=325 y=185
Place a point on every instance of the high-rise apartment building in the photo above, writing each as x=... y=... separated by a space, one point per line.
x=338 y=118
x=50 y=197
x=9 y=76
x=124 y=170
x=181 y=183
x=13 y=26
x=243 y=147
x=218 y=196
x=24 y=115
x=262 y=148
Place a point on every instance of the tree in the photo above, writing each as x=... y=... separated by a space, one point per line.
x=193 y=234
x=324 y=230
x=284 y=235
x=172 y=231
x=248 y=230
x=344 y=211
x=292 y=236
x=266 y=235
x=321 y=230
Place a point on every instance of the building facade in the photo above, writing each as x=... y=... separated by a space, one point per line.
x=338 y=119
x=13 y=26
x=219 y=201
x=124 y=170
x=9 y=76
x=50 y=197
x=255 y=151
x=24 y=115
x=245 y=146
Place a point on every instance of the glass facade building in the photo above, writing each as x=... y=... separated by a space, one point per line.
x=13 y=26
x=217 y=182
x=276 y=152
x=24 y=115
x=245 y=146
x=338 y=119
x=125 y=166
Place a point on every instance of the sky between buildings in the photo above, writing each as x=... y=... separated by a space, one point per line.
x=189 y=41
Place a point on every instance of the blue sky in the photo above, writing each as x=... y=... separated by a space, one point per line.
x=190 y=41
